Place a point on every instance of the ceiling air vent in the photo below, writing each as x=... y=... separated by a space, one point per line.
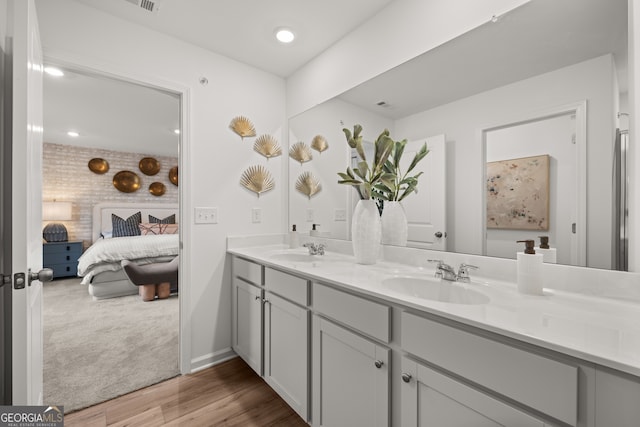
x=148 y=5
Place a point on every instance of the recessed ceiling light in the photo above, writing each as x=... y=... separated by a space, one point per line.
x=285 y=35
x=52 y=71
x=73 y=134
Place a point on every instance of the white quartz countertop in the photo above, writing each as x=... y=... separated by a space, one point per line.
x=599 y=330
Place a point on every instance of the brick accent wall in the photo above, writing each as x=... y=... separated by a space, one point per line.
x=66 y=177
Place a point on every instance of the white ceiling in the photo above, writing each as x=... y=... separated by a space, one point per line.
x=244 y=29
x=542 y=35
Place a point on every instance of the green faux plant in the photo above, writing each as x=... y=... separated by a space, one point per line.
x=402 y=184
x=366 y=176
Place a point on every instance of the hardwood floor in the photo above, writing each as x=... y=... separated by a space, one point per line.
x=228 y=394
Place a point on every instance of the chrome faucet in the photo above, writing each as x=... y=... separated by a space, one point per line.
x=446 y=272
x=315 y=248
x=463 y=272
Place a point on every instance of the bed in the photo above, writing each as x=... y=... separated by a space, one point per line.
x=99 y=266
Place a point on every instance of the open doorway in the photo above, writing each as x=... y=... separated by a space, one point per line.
x=123 y=151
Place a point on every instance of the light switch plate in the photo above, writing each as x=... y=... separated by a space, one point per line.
x=256 y=215
x=340 y=215
x=310 y=215
x=206 y=215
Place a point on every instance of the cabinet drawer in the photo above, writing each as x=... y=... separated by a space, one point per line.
x=61 y=257
x=63 y=270
x=291 y=287
x=544 y=384
x=247 y=270
x=371 y=318
x=63 y=248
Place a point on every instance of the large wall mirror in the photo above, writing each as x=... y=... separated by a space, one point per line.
x=511 y=88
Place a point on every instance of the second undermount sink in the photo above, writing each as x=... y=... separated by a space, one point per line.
x=435 y=290
x=296 y=257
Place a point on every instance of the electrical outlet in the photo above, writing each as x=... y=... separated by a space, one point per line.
x=256 y=215
x=310 y=215
x=206 y=215
x=340 y=215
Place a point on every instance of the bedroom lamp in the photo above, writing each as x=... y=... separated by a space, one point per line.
x=56 y=211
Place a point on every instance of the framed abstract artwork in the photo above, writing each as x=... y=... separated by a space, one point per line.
x=518 y=193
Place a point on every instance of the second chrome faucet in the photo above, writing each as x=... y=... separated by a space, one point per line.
x=446 y=272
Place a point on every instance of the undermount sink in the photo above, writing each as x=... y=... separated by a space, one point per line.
x=296 y=257
x=435 y=290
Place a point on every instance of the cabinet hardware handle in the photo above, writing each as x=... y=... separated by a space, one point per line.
x=378 y=363
x=257 y=297
x=406 y=377
x=266 y=301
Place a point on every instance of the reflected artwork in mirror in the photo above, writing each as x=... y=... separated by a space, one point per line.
x=507 y=76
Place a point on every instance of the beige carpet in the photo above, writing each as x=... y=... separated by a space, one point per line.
x=97 y=350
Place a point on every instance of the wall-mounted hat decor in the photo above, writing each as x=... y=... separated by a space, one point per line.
x=308 y=184
x=126 y=181
x=242 y=126
x=319 y=143
x=268 y=146
x=98 y=165
x=157 y=188
x=149 y=166
x=173 y=175
x=300 y=152
x=257 y=179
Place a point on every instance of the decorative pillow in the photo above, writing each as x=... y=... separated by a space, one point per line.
x=126 y=227
x=156 y=228
x=171 y=219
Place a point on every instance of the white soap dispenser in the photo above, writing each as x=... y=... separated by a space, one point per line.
x=529 y=269
x=314 y=232
x=294 y=238
x=548 y=254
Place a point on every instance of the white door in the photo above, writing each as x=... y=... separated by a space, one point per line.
x=26 y=203
x=426 y=209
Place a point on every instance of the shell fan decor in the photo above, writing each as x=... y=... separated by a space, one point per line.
x=242 y=126
x=300 y=152
x=257 y=179
x=308 y=185
x=268 y=146
x=319 y=143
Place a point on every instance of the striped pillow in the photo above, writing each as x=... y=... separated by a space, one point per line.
x=171 y=219
x=126 y=227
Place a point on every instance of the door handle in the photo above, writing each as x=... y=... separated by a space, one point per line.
x=44 y=275
x=438 y=234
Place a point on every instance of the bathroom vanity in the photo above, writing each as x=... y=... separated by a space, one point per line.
x=389 y=344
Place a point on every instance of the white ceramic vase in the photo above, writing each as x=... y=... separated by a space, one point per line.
x=366 y=232
x=394 y=224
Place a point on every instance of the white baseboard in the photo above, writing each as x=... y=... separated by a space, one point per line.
x=212 y=359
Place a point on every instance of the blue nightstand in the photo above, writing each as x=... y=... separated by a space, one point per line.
x=62 y=258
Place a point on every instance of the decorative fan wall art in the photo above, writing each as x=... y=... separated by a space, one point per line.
x=319 y=143
x=308 y=184
x=243 y=127
x=300 y=152
x=98 y=165
x=268 y=146
x=257 y=179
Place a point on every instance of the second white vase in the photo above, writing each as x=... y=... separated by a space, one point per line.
x=366 y=232
x=394 y=224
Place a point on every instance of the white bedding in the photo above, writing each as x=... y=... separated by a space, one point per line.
x=106 y=254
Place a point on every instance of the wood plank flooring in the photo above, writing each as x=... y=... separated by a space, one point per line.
x=228 y=394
